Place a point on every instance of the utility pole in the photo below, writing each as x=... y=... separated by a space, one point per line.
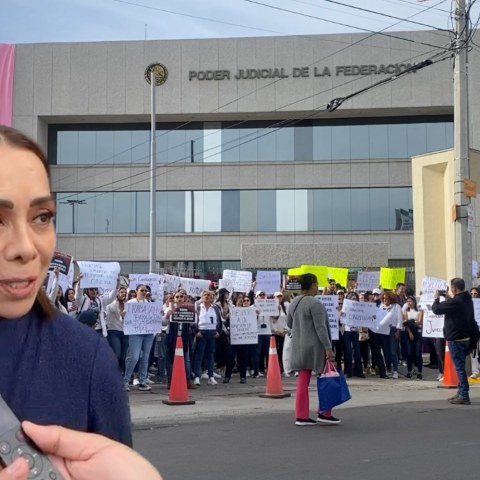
x=156 y=74
x=463 y=241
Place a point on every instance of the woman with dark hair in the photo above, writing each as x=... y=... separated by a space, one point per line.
x=56 y=294
x=413 y=322
x=279 y=328
x=69 y=300
x=223 y=341
x=116 y=338
x=54 y=371
x=390 y=304
x=311 y=346
x=351 y=345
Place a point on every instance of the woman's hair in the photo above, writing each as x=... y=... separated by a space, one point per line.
x=60 y=300
x=236 y=297
x=476 y=289
x=307 y=280
x=119 y=290
x=222 y=296
x=392 y=297
x=131 y=293
x=65 y=296
x=353 y=296
x=210 y=293
x=414 y=300
x=139 y=286
x=13 y=138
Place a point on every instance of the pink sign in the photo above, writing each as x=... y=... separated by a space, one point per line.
x=7 y=63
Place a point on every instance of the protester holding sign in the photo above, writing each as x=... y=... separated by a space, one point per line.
x=260 y=355
x=116 y=338
x=92 y=305
x=413 y=321
x=139 y=349
x=56 y=295
x=279 y=327
x=70 y=302
x=351 y=345
x=311 y=347
x=394 y=320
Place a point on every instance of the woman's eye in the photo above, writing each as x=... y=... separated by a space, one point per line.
x=44 y=218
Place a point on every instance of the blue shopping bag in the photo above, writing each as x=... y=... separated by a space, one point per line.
x=332 y=388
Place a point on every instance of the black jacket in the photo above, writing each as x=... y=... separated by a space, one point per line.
x=459 y=316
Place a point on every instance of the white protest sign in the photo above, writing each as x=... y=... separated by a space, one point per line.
x=268 y=282
x=429 y=286
x=142 y=318
x=151 y=280
x=241 y=281
x=474 y=269
x=99 y=274
x=330 y=302
x=195 y=287
x=225 y=283
x=243 y=326
x=432 y=325
x=362 y=314
x=367 y=281
x=267 y=306
x=476 y=310
x=172 y=283
x=385 y=321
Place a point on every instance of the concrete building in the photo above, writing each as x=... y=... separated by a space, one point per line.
x=251 y=168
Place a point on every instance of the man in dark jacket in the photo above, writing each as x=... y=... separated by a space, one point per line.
x=458 y=329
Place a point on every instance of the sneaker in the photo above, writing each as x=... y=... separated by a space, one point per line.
x=460 y=401
x=419 y=376
x=126 y=388
x=440 y=377
x=204 y=376
x=286 y=375
x=136 y=382
x=296 y=374
x=260 y=374
x=191 y=386
x=474 y=375
x=153 y=369
x=452 y=398
x=305 y=422
x=144 y=388
x=159 y=381
x=389 y=374
x=149 y=382
x=216 y=375
x=248 y=373
x=254 y=376
x=197 y=381
x=226 y=380
x=243 y=380
x=329 y=420
x=212 y=381
x=408 y=375
x=395 y=375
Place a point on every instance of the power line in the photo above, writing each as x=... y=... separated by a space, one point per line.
x=416 y=5
x=280 y=125
x=339 y=23
x=380 y=13
x=349 y=45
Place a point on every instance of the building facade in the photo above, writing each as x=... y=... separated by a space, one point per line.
x=249 y=161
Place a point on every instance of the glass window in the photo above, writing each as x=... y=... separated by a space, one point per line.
x=322 y=210
x=417 y=139
x=189 y=226
x=449 y=134
x=230 y=211
x=64 y=218
x=301 y=210
x=248 y=144
x=207 y=211
x=194 y=152
x=285 y=210
x=360 y=207
x=103 y=212
x=230 y=148
x=248 y=210
x=378 y=136
x=141 y=146
x=162 y=147
x=397 y=141
x=67 y=151
x=162 y=211
x=303 y=143
x=104 y=147
x=123 y=213
x=436 y=137
x=322 y=143
x=342 y=212
x=399 y=206
x=341 y=143
x=122 y=146
x=85 y=213
x=177 y=146
x=267 y=208
x=212 y=141
x=285 y=144
x=379 y=209
x=175 y=212
x=142 y=208
x=86 y=148
x=266 y=145
x=359 y=147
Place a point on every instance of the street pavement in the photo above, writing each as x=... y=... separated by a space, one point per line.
x=418 y=440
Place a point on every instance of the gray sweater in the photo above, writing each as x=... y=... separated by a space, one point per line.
x=308 y=320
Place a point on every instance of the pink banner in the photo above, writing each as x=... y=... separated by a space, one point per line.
x=7 y=63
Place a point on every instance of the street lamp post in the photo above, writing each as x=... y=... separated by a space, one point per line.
x=73 y=203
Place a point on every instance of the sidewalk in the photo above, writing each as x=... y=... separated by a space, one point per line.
x=236 y=399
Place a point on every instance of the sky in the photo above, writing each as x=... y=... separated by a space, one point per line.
x=32 y=21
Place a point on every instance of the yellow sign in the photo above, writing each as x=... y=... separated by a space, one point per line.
x=389 y=277
x=319 y=271
x=295 y=272
x=340 y=275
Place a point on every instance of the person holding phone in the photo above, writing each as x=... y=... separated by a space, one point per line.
x=54 y=371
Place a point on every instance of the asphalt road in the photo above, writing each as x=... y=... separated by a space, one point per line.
x=421 y=440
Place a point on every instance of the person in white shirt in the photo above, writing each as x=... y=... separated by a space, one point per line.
x=260 y=355
x=208 y=328
x=279 y=327
x=56 y=294
x=139 y=349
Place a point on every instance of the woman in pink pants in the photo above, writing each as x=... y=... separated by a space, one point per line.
x=311 y=347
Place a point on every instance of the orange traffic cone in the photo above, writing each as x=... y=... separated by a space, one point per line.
x=450 y=378
x=274 y=379
x=178 y=388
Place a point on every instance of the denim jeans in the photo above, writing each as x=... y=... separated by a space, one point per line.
x=140 y=346
x=393 y=350
x=458 y=352
x=414 y=351
x=351 y=344
x=119 y=344
x=240 y=351
x=205 y=345
x=260 y=355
